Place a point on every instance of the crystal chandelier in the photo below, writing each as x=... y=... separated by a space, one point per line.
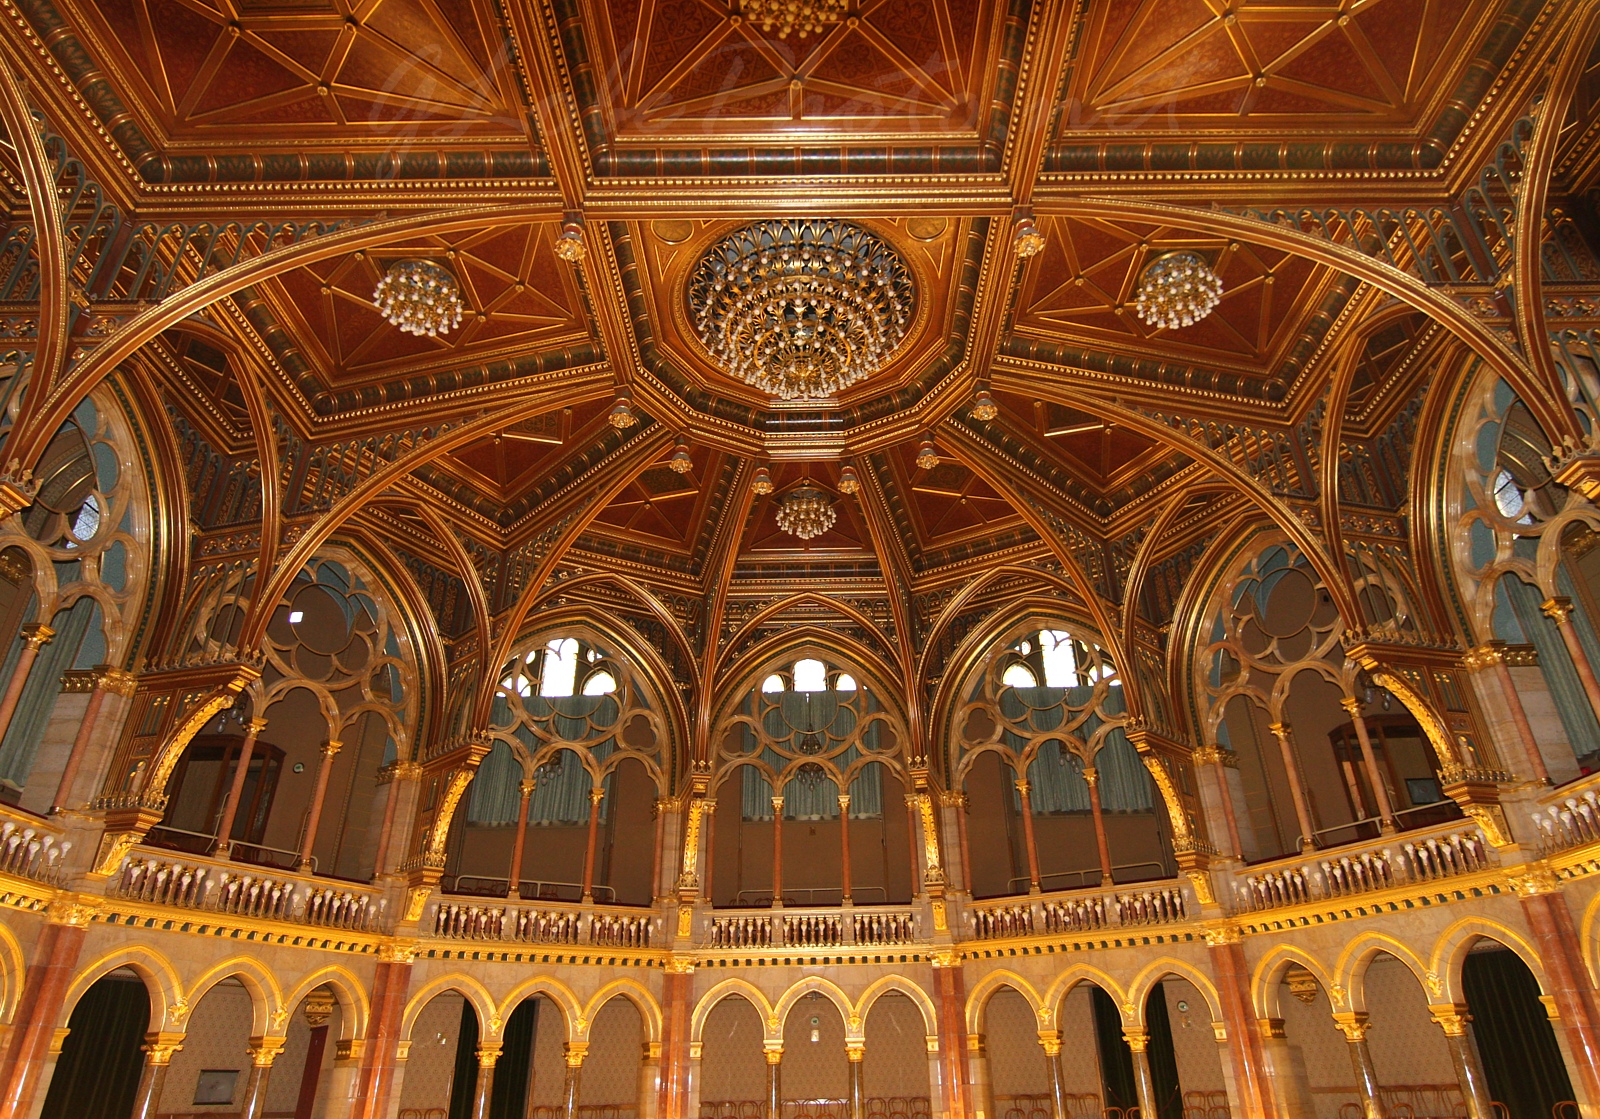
x=419 y=297
x=801 y=308
x=806 y=512
x=786 y=16
x=1178 y=289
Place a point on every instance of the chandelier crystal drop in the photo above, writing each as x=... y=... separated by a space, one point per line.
x=801 y=308
x=806 y=513
x=1177 y=290
x=789 y=16
x=419 y=297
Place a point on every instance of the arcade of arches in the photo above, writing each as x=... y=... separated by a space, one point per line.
x=801 y=623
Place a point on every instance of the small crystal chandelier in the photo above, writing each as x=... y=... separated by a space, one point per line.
x=419 y=297
x=849 y=483
x=983 y=406
x=927 y=455
x=806 y=513
x=1026 y=238
x=787 y=16
x=800 y=308
x=570 y=246
x=762 y=482
x=681 y=461
x=622 y=412
x=1177 y=290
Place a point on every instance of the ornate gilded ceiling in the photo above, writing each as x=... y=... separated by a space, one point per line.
x=476 y=129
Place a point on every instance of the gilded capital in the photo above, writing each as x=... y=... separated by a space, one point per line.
x=1351 y=1023
x=1557 y=608
x=36 y=634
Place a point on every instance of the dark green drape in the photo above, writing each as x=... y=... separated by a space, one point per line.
x=464 y=1080
x=1520 y=1056
x=1163 y=1057
x=510 y=1096
x=98 y=1073
x=1116 y=1059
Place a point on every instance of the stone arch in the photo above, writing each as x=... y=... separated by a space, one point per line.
x=563 y=996
x=889 y=984
x=1268 y=975
x=727 y=988
x=1063 y=985
x=12 y=967
x=987 y=987
x=267 y=1012
x=1450 y=953
x=354 y=1009
x=1349 y=988
x=827 y=988
x=636 y=993
x=169 y=1008
x=474 y=992
x=1157 y=970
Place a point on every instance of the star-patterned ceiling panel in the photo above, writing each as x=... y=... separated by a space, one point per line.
x=1176 y=65
x=892 y=66
x=1099 y=453
x=1082 y=290
x=950 y=504
x=850 y=538
x=394 y=69
x=661 y=508
x=519 y=298
x=512 y=461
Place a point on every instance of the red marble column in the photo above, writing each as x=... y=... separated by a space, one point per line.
x=1550 y=921
x=777 y=851
x=595 y=797
x=375 y=1077
x=950 y=995
x=844 y=844
x=263 y=1052
x=676 y=995
x=961 y=835
x=1092 y=776
x=1297 y=791
x=107 y=679
x=34 y=635
x=514 y=879
x=241 y=769
x=159 y=1049
x=1027 y=834
x=323 y=772
x=1369 y=760
x=44 y=990
x=1558 y=610
x=317 y=1010
x=1232 y=975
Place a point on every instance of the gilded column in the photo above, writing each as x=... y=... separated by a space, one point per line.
x=1232 y=975
x=1369 y=761
x=1457 y=1026
x=855 y=1052
x=1050 y=1040
x=380 y=1058
x=777 y=852
x=514 y=879
x=844 y=845
x=1302 y=810
x=595 y=797
x=263 y=1051
x=950 y=1000
x=44 y=992
x=1092 y=776
x=574 y=1051
x=774 y=1052
x=1138 y=1044
x=329 y=750
x=1492 y=655
x=1027 y=836
x=158 y=1049
x=1566 y=978
x=1353 y=1024
x=107 y=679
x=241 y=769
x=978 y=1072
x=709 y=824
x=34 y=636
x=1223 y=760
x=1559 y=610
x=488 y=1056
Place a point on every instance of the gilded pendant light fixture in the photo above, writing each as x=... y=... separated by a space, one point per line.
x=786 y=17
x=1177 y=290
x=801 y=308
x=806 y=512
x=419 y=297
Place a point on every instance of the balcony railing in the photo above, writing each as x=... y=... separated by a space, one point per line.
x=1421 y=858
x=866 y=926
x=535 y=924
x=30 y=850
x=1085 y=911
x=1570 y=822
x=221 y=888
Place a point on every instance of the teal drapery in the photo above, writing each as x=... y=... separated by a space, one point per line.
x=1055 y=777
x=561 y=795
x=806 y=798
x=1560 y=676
x=23 y=737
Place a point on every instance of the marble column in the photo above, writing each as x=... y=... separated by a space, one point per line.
x=380 y=1057
x=1369 y=761
x=1457 y=1026
x=1566 y=979
x=263 y=1051
x=241 y=769
x=317 y=1009
x=107 y=679
x=1559 y=610
x=1027 y=836
x=844 y=846
x=402 y=777
x=1050 y=1040
x=1138 y=1044
x=777 y=852
x=595 y=797
x=959 y=803
x=1231 y=972
x=950 y=1000
x=774 y=1053
x=649 y=1081
x=44 y=991
x=488 y=1056
x=329 y=750
x=1221 y=761
x=678 y=1082
x=978 y=1071
x=855 y=1052
x=574 y=1052
x=34 y=636
x=1091 y=775
x=1492 y=655
x=708 y=816
x=158 y=1051
x=1353 y=1024
x=1302 y=809
x=514 y=878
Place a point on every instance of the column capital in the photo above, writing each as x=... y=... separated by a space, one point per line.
x=1558 y=608
x=1452 y=1018
x=1050 y=1041
x=1023 y=786
x=159 y=1046
x=1270 y=1027
x=844 y=802
x=575 y=1052
x=36 y=634
x=1215 y=755
x=596 y=795
x=1091 y=775
x=489 y=1053
x=255 y=726
x=777 y=805
x=1351 y=1023
x=264 y=1049
x=115 y=680
x=1279 y=730
x=1351 y=706
x=1487 y=655
x=774 y=1052
x=855 y=1051
x=1138 y=1039
x=525 y=788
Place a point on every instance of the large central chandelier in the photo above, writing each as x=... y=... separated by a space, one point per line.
x=806 y=512
x=801 y=308
x=1177 y=290
x=787 y=16
x=419 y=297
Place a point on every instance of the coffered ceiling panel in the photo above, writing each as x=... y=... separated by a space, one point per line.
x=695 y=68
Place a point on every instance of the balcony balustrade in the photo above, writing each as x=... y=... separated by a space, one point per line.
x=537 y=924
x=219 y=887
x=1391 y=863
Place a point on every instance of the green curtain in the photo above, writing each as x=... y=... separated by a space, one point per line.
x=1521 y=1058
x=464 y=1079
x=1555 y=663
x=1116 y=1059
x=1163 y=1056
x=98 y=1072
x=23 y=737
x=1056 y=788
x=508 y=1099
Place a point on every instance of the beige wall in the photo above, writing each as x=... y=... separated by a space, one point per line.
x=431 y=1065
x=896 y=1060
x=218 y=1038
x=732 y=1065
